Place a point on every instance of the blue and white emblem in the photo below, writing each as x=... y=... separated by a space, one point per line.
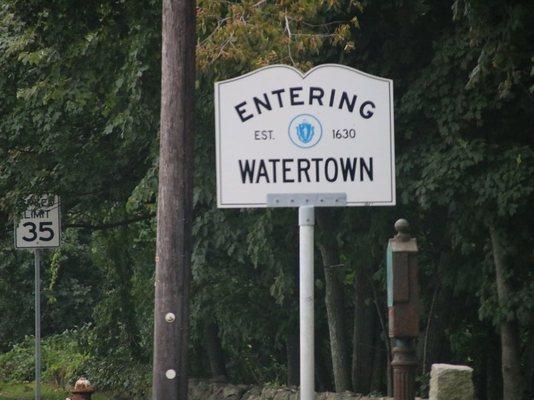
x=305 y=130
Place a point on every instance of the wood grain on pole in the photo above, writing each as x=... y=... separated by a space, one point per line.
x=175 y=191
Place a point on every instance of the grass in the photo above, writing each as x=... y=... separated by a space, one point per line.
x=25 y=391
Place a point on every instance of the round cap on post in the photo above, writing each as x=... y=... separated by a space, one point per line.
x=403 y=230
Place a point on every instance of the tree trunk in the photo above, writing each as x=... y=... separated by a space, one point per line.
x=323 y=364
x=436 y=347
x=338 y=339
x=293 y=360
x=493 y=376
x=530 y=362
x=128 y=314
x=510 y=352
x=212 y=344
x=123 y=268
x=380 y=317
x=175 y=199
x=379 y=369
x=335 y=303
x=363 y=335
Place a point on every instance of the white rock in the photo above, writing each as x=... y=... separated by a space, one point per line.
x=451 y=382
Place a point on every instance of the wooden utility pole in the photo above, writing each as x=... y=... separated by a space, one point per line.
x=175 y=193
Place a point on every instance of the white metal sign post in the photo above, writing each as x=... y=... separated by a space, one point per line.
x=306 y=302
x=320 y=139
x=37 y=291
x=38 y=228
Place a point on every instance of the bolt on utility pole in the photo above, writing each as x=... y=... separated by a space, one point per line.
x=175 y=198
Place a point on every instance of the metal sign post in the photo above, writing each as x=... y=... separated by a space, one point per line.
x=306 y=301
x=323 y=138
x=37 y=253
x=39 y=228
x=306 y=205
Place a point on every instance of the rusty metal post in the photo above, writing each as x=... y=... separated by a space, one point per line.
x=404 y=365
x=403 y=309
x=83 y=390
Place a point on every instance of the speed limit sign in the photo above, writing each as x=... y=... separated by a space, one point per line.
x=39 y=226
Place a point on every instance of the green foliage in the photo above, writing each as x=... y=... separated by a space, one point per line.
x=79 y=116
x=62 y=359
x=18 y=364
x=119 y=374
x=65 y=357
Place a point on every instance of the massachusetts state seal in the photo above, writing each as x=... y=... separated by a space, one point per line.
x=305 y=130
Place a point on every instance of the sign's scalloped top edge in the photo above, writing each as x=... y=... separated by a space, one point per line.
x=304 y=75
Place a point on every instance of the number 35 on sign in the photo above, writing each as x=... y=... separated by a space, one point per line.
x=39 y=225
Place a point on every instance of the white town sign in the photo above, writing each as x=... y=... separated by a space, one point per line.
x=279 y=131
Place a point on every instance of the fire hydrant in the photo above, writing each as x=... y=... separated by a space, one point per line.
x=82 y=390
